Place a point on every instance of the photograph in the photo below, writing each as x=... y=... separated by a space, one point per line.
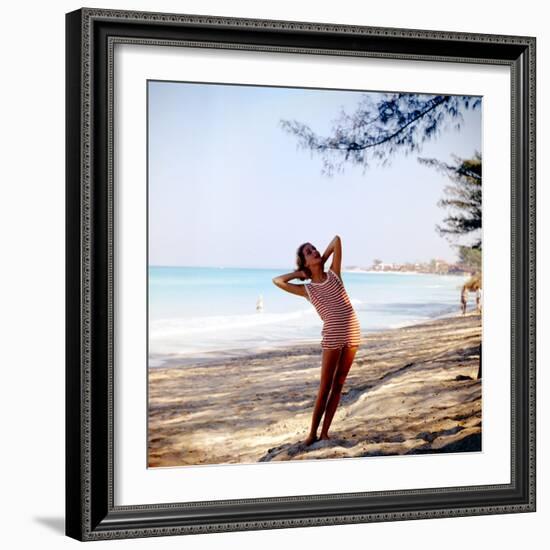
x=290 y=301
x=314 y=273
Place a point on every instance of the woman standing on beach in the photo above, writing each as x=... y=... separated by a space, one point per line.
x=341 y=331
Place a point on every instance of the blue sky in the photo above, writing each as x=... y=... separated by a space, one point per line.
x=228 y=187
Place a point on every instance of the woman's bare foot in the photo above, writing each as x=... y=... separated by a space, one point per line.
x=310 y=439
x=324 y=436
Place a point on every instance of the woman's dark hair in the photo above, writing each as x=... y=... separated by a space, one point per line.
x=301 y=261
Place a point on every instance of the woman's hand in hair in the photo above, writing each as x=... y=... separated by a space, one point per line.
x=289 y=276
x=282 y=282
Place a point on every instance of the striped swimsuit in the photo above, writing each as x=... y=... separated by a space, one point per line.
x=330 y=299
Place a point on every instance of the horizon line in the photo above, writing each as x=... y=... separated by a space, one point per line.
x=288 y=267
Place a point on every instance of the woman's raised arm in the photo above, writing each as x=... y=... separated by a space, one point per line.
x=334 y=247
x=282 y=282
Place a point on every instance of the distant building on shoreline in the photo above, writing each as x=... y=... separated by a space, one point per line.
x=434 y=266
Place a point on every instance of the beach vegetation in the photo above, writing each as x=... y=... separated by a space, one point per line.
x=470 y=257
x=462 y=198
x=382 y=125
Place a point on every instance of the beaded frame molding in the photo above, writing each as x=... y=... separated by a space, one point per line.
x=90 y=38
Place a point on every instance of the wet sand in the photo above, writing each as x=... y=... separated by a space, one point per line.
x=410 y=390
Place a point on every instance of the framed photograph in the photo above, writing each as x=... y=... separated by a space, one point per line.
x=300 y=274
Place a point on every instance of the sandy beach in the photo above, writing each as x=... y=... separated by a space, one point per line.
x=410 y=390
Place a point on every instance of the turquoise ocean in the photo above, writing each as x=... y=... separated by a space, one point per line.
x=201 y=313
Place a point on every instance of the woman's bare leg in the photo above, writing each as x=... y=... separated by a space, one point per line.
x=329 y=363
x=342 y=369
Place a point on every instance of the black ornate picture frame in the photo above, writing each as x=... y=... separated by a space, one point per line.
x=90 y=510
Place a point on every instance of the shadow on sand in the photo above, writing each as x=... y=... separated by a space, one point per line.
x=293 y=449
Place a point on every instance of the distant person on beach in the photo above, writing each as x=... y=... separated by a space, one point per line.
x=341 y=334
x=478 y=300
x=260 y=303
x=473 y=284
x=464 y=299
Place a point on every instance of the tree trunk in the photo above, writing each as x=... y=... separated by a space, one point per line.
x=479 y=370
